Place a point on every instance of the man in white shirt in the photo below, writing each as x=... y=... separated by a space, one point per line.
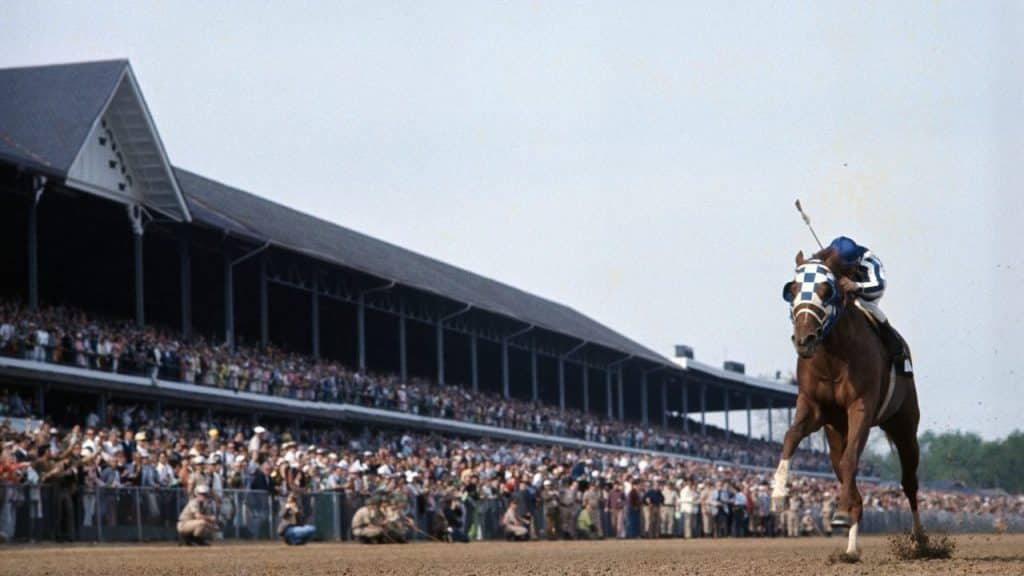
x=688 y=508
x=256 y=441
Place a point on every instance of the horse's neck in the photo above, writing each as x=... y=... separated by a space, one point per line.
x=840 y=340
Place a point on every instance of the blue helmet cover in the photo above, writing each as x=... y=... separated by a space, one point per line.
x=848 y=250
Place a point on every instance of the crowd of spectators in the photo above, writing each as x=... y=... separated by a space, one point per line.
x=559 y=492
x=71 y=336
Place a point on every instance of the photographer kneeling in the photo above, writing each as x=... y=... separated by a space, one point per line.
x=195 y=524
x=516 y=527
x=291 y=528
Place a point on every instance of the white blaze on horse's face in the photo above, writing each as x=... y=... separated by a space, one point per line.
x=813 y=298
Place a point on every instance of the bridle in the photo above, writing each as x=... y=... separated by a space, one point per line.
x=808 y=277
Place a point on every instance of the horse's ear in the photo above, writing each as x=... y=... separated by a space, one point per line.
x=787 y=291
x=800 y=258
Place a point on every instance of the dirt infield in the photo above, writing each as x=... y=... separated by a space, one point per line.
x=974 y=555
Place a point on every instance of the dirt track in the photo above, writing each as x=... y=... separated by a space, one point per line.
x=974 y=555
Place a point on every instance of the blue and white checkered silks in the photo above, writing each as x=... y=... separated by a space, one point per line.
x=809 y=276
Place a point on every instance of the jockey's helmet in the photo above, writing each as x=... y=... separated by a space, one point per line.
x=849 y=251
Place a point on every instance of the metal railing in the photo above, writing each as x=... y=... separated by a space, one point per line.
x=38 y=513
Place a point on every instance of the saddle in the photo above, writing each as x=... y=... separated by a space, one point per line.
x=888 y=407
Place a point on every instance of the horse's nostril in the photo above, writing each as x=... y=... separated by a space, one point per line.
x=806 y=340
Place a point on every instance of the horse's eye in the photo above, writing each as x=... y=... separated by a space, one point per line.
x=829 y=292
x=787 y=291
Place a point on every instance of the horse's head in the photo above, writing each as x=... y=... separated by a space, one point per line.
x=814 y=303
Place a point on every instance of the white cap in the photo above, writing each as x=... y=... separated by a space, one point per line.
x=202 y=489
x=259 y=429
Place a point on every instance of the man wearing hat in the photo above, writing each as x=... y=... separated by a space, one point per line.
x=195 y=526
x=396 y=523
x=368 y=522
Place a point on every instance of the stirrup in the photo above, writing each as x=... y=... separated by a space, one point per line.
x=903 y=365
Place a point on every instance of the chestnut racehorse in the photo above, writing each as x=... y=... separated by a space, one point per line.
x=847 y=385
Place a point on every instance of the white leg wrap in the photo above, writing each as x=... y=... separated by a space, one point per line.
x=851 y=545
x=781 y=479
x=918 y=528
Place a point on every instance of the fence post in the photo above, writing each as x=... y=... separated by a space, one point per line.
x=236 y=513
x=138 y=512
x=335 y=509
x=98 y=514
x=270 y=515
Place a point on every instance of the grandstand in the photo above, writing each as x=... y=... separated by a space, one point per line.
x=94 y=215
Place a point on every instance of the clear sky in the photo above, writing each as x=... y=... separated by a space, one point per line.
x=635 y=160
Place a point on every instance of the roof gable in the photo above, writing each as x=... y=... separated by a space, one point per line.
x=46 y=112
x=88 y=124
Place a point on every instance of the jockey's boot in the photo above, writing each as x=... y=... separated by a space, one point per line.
x=894 y=345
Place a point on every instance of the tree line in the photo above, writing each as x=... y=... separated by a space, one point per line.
x=963 y=458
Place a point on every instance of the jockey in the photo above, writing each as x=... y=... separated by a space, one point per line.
x=862 y=274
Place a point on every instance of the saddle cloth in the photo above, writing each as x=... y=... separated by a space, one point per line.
x=888 y=407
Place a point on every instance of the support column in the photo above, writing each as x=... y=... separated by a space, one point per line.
x=608 y=394
x=586 y=389
x=33 y=251
x=664 y=403
x=229 y=303
x=403 y=359
x=264 y=304
x=534 y=383
x=135 y=215
x=101 y=406
x=474 y=373
x=789 y=416
x=315 y=311
x=361 y=332
x=643 y=398
x=725 y=401
x=185 y=286
x=504 y=368
x=622 y=404
x=703 y=409
x=686 y=407
x=749 y=429
x=440 y=353
x=159 y=410
x=771 y=437
x=41 y=398
x=561 y=384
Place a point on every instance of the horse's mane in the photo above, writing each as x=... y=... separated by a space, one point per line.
x=830 y=257
x=825 y=254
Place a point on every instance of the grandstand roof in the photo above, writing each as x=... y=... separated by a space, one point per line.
x=47 y=112
x=225 y=207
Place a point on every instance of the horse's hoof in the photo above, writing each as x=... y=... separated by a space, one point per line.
x=840 y=521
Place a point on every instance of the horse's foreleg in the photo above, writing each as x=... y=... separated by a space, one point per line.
x=850 y=502
x=806 y=420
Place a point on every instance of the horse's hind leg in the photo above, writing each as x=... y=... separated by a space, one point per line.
x=902 y=431
x=806 y=420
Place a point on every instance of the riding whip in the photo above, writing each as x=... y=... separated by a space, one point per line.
x=808 y=222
